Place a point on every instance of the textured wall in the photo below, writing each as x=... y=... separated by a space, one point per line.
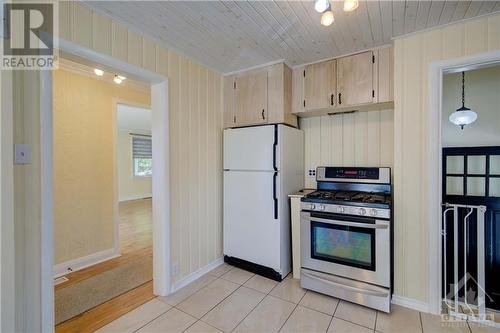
x=357 y=139
x=84 y=162
x=412 y=56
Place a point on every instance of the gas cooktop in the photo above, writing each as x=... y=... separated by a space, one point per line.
x=352 y=198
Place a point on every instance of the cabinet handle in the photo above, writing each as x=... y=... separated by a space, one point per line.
x=263 y=116
x=331 y=99
x=340 y=98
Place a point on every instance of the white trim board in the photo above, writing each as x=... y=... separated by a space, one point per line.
x=77 y=264
x=197 y=274
x=136 y=197
x=410 y=303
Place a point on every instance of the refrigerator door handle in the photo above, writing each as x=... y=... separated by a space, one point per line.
x=275 y=145
x=275 y=198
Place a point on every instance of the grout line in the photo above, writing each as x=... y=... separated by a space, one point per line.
x=376 y=319
x=152 y=319
x=214 y=305
x=296 y=305
x=349 y=320
x=249 y=312
x=421 y=324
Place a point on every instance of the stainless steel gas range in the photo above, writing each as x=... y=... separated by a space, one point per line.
x=346 y=236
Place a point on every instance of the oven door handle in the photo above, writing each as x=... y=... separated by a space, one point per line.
x=349 y=288
x=306 y=217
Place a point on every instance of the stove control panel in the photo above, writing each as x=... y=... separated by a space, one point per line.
x=347 y=210
x=354 y=175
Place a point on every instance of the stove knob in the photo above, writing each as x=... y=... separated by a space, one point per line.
x=362 y=211
x=373 y=212
x=313 y=206
x=321 y=207
x=340 y=209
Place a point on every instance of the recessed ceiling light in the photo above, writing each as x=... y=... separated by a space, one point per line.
x=98 y=72
x=122 y=77
x=327 y=18
x=350 y=5
x=117 y=79
x=321 y=5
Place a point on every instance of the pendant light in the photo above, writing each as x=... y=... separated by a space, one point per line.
x=463 y=116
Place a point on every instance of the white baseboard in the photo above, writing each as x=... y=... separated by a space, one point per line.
x=83 y=262
x=135 y=197
x=410 y=303
x=196 y=274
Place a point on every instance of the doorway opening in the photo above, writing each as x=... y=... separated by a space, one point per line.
x=102 y=237
x=470 y=194
x=157 y=86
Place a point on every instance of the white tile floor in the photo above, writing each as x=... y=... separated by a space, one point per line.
x=229 y=299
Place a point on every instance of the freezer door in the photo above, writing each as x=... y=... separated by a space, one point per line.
x=251 y=231
x=251 y=148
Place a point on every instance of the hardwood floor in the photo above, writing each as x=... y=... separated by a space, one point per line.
x=135 y=243
x=105 y=313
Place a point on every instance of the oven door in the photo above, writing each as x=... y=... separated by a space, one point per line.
x=348 y=246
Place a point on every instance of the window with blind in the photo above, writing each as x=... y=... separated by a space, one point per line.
x=142 y=156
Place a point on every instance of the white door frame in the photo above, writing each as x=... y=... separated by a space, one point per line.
x=434 y=158
x=160 y=180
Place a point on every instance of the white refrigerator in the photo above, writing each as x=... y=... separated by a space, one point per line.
x=262 y=166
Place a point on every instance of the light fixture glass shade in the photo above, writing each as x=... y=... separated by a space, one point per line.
x=350 y=5
x=117 y=79
x=98 y=72
x=327 y=18
x=321 y=5
x=463 y=116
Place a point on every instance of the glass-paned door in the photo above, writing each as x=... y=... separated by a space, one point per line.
x=471 y=176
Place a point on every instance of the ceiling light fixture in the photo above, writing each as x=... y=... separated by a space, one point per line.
x=321 y=5
x=122 y=77
x=117 y=79
x=98 y=72
x=350 y=5
x=327 y=18
x=463 y=116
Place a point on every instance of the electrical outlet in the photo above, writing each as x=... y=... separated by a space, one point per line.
x=311 y=173
x=175 y=269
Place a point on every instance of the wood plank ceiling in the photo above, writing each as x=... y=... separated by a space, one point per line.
x=233 y=35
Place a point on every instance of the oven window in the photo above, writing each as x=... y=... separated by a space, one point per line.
x=352 y=246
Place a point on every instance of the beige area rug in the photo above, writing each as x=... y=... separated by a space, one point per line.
x=86 y=294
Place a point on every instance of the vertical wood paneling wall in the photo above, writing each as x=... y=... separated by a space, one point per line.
x=355 y=139
x=413 y=55
x=195 y=106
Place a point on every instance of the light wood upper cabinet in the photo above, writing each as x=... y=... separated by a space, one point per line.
x=385 y=74
x=251 y=98
x=260 y=96
x=355 y=82
x=319 y=85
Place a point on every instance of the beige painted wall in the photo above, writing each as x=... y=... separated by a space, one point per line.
x=413 y=55
x=129 y=186
x=356 y=139
x=84 y=162
x=482 y=94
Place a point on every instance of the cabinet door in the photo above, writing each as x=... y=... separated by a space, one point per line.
x=385 y=63
x=251 y=98
x=355 y=79
x=229 y=105
x=319 y=85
